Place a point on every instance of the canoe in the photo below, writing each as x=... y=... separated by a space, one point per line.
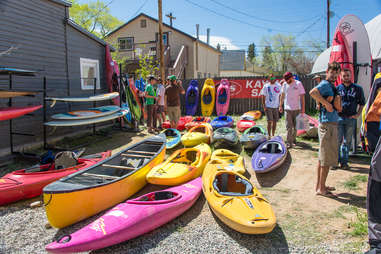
x=103 y=185
x=231 y=161
x=131 y=219
x=14 y=112
x=28 y=183
x=253 y=137
x=255 y=113
x=133 y=99
x=225 y=137
x=199 y=134
x=245 y=122
x=312 y=131
x=85 y=114
x=180 y=125
x=196 y=121
x=236 y=201
x=173 y=137
x=15 y=93
x=191 y=98
x=269 y=155
x=182 y=166
x=223 y=97
x=208 y=94
x=222 y=121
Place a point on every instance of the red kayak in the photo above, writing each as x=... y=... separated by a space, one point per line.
x=196 y=121
x=21 y=184
x=13 y=112
x=312 y=132
x=180 y=125
x=246 y=122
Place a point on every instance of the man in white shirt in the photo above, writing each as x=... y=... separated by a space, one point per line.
x=160 y=92
x=270 y=101
x=293 y=103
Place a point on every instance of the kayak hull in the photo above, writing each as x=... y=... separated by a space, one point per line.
x=208 y=94
x=14 y=112
x=223 y=98
x=268 y=157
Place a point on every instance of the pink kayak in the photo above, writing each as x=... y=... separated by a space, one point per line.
x=223 y=98
x=312 y=131
x=131 y=219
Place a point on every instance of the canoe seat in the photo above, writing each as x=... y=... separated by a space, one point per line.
x=232 y=185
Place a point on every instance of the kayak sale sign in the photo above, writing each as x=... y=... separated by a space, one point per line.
x=245 y=88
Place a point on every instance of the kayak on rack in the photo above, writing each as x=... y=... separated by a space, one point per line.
x=14 y=112
x=86 y=114
x=208 y=94
x=223 y=97
x=15 y=93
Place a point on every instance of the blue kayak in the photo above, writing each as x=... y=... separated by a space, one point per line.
x=222 y=121
x=173 y=137
x=191 y=98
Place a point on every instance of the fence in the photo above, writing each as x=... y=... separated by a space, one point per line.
x=239 y=106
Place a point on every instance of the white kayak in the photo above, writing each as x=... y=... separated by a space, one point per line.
x=88 y=113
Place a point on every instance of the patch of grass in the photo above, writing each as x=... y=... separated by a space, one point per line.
x=359 y=226
x=354 y=247
x=352 y=183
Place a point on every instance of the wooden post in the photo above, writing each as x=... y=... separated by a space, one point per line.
x=161 y=48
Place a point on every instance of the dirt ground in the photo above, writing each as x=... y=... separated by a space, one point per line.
x=306 y=223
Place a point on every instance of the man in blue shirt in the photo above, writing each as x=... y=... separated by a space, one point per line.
x=325 y=94
x=353 y=101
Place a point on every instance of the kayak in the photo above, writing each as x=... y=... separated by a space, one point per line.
x=223 y=97
x=103 y=185
x=173 y=137
x=255 y=113
x=196 y=121
x=222 y=121
x=312 y=131
x=235 y=200
x=191 y=98
x=246 y=121
x=15 y=93
x=180 y=125
x=131 y=219
x=225 y=137
x=199 y=134
x=14 y=112
x=208 y=94
x=182 y=166
x=269 y=155
x=253 y=137
x=232 y=161
x=28 y=183
x=85 y=114
x=133 y=100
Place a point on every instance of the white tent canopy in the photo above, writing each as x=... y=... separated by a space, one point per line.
x=373 y=28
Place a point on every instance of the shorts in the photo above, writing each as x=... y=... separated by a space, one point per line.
x=272 y=114
x=174 y=113
x=160 y=109
x=328 y=145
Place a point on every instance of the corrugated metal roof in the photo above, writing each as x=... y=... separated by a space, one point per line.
x=232 y=60
x=63 y=2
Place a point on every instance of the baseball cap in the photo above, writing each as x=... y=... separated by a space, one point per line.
x=287 y=75
x=151 y=77
x=316 y=76
x=172 y=77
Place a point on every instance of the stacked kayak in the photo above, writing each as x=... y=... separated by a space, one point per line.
x=14 y=112
x=225 y=137
x=191 y=98
x=312 y=131
x=255 y=113
x=133 y=100
x=208 y=94
x=235 y=200
x=202 y=133
x=15 y=93
x=182 y=166
x=29 y=182
x=223 y=97
x=131 y=219
x=180 y=125
x=89 y=113
x=246 y=122
x=103 y=185
x=269 y=155
x=222 y=121
x=173 y=137
x=253 y=137
x=196 y=121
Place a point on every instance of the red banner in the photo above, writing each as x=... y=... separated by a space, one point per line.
x=245 y=88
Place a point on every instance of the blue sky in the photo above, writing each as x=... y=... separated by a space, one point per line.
x=239 y=22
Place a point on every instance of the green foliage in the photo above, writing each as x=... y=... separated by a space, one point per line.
x=95 y=17
x=147 y=66
x=251 y=52
x=352 y=183
x=359 y=226
x=267 y=58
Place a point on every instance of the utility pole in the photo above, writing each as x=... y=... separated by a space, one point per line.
x=161 y=49
x=171 y=17
x=328 y=11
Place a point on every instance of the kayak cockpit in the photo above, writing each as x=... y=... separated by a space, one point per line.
x=272 y=147
x=157 y=197
x=230 y=184
x=187 y=156
x=222 y=97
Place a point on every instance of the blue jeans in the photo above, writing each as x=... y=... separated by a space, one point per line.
x=346 y=128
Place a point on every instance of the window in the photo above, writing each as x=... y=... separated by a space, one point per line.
x=165 y=38
x=126 y=43
x=143 y=23
x=89 y=71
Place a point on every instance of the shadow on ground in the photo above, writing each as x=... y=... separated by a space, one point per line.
x=351 y=199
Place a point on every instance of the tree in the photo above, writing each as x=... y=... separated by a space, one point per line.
x=147 y=66
x=267 y=58
x=95 y=17
x=251 y=53
x=218 y=47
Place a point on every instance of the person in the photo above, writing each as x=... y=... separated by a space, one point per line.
x=270 y=101
x=292 y=102
x=353 y=101
x=328 y=147
x=150 y=96
x=172 y=100
x=160 y=103
x=317 y=78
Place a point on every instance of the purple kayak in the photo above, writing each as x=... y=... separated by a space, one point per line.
x=269 y=155
x=191 y=98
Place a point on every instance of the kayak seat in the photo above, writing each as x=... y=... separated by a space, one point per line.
x=170 y=133
x=232 y=185
x=207 y=97
x=192 y=97
x=274 y=148
x=159 y=195
x=222 y=97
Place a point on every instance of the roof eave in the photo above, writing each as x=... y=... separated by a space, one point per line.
x=62 y=2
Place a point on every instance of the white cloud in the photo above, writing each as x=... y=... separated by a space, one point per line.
x=223 y=41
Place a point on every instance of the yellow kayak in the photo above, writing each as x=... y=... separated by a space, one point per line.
x=90 y=191
x=226 y=159
x=208 y=97
x=182 y=166
x=236 y=201
x=199 y=134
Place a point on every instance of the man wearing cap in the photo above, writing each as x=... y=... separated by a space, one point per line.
x=172 y=100
x=292 y=102
x=150 y=95
x=317 y=78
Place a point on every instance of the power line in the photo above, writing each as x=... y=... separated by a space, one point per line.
x=99 y=11
x=139 y=9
